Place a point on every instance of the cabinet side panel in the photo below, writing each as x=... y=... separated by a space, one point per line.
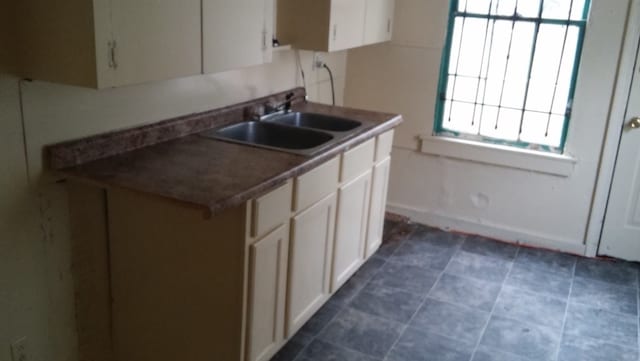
x=177 y=280
x=90 y=268
x=56 y=41
x=304 y=23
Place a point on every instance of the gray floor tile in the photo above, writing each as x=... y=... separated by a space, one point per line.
x=387 y=248
x=370 y=268
x=545 y=260
x=537 y=281
x=436 y=237
x=422 y=254
x=417 y=345
x=293 y=347
x=574 y=348
x=524 y=339
x=465 y=291
x=489 y=247
x=408 y=278
x=489 y=354
x=362 y=332
x=607 y=296
x=456 y=322
x=531 y=307
x=481 y=267
x=321 y=319
x=600 y=324
x=348 y=291
x=320 y=350
x=392 y=304
x=618 y=272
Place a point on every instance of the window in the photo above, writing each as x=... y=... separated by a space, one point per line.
x=509 y=69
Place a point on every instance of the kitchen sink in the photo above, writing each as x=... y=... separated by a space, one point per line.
x=315 y=121
x=273 y=136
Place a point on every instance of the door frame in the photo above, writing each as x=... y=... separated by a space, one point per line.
x=613 y=132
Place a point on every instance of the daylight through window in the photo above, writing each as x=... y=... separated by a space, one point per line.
x=509 y=69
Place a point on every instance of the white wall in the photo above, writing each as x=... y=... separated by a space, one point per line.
x=442 y=187
x=36 y=285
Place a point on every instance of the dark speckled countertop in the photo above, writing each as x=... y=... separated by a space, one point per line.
x=168 y=159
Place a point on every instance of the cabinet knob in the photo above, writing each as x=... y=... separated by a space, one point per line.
x=634 y=123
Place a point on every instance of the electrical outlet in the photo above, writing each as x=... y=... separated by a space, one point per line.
x=19 y=350
x=318 y=62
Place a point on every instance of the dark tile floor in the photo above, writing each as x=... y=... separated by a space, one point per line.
x=433 y=295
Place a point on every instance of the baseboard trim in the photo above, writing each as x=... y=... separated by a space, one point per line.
x=495 y=231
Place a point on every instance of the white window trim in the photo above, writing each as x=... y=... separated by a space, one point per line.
x=501 y=155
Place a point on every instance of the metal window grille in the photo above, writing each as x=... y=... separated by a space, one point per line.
x=509 y=69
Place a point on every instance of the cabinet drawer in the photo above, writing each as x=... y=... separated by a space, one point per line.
x=270 y=210
x=383 y=145
x=315 y=184
x=357 y=160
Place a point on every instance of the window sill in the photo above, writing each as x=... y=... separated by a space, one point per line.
x=506 y=156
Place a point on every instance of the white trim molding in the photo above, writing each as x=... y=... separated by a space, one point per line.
x=495 y=231
x=502 y=155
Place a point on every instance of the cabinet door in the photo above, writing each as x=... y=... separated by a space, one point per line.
x=378 y=205
x=312 y=233
x=267 y=288
x=235 y=33
x=347 y=24
x=154 y=39
x=351 y=229
x=378 y=21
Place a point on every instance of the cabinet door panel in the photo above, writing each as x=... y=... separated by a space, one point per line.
x=378 y=21
x=234 y=34
x=378 y=205
x=267 y=288
x=347 y=24
x=351 y=229
x=155 y=39
x=312 y=233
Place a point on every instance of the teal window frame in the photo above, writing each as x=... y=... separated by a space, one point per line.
x=438 y=128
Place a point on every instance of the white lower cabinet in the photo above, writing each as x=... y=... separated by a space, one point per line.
x=267 y=289
x=310 y=251
x=378 y=205
x=351 y=229
x=234 y=286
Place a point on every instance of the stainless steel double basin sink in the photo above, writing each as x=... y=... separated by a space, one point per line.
x=293 y=132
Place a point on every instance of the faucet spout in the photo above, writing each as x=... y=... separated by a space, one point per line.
x=284 y=106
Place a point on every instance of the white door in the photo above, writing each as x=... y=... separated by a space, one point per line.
x=621 y=231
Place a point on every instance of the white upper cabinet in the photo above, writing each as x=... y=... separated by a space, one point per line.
x=347 y=24
x=378 y=21
x=153 y=40
x=332 y=25
x=236 y=33
x=107 y=43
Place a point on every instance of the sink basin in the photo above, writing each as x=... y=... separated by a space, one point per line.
x=316 y=121
x=273 y=136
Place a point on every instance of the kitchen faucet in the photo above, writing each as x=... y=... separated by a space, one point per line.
x=285 y=106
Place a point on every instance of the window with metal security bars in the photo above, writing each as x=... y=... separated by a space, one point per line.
x=509 y=69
